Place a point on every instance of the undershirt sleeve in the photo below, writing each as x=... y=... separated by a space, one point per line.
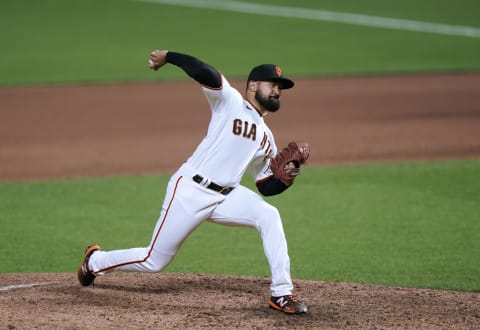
x=201 y=72
x=271 y=186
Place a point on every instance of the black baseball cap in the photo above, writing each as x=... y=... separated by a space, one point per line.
x=270 y=72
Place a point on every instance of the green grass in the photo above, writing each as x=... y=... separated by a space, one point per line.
x=66 y=41
x=410 y=224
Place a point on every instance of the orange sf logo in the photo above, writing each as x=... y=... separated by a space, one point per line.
x=278 y=70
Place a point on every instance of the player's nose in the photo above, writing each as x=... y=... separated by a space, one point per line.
x=276 y=90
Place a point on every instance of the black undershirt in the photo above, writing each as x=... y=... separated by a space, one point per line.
x=196 y=69
x=271 y=186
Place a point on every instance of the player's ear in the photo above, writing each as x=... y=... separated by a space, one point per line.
x=252 y=86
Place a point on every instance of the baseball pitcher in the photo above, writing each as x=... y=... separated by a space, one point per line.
x=207 y=186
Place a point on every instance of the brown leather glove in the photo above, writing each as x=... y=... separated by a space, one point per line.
x=286 y=164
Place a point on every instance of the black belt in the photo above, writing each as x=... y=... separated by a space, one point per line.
x=213 y=186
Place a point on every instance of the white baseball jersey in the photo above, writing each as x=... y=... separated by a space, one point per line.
x=237 y=139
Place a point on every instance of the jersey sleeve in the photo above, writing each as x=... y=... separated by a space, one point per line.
x=220 y=98
x=260 y=167
x=267 y=184
x=261 y=171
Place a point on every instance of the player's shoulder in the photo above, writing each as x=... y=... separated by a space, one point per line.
x=226 y=91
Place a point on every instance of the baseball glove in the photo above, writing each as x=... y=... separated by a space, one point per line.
x=285 y=165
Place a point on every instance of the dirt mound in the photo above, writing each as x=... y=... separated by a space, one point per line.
x=188 y=301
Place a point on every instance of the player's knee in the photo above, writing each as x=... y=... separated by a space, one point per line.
x=159 y=261
x=158 y=266
x=274 y=214
x=270 y=214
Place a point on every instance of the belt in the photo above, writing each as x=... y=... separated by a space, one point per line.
x=212 y=185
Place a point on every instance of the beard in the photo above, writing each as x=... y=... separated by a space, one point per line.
x=269 y=103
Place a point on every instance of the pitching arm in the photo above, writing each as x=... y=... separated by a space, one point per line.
x=201 y=72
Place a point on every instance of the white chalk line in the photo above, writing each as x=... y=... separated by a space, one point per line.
x=326 y=15
x=22 y=286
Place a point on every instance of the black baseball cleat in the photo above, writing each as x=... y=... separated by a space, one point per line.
x=85 y=276
x=287 y=304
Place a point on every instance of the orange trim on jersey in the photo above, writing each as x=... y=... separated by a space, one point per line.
x=154 y=240
x=212 y=88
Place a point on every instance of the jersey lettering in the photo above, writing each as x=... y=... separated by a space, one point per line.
x=264 y=140
x=265 y=144
x=237 y=126
x=244 y=129
x=249 y=131
x=268 y=151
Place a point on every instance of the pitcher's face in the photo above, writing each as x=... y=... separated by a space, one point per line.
x=268 y=95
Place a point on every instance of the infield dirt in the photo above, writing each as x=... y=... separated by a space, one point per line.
x=81 y=131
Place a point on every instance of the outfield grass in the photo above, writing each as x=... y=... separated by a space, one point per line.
x=66 y=41
x=412 y=224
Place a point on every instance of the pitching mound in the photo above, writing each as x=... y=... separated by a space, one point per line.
x=187 y=301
